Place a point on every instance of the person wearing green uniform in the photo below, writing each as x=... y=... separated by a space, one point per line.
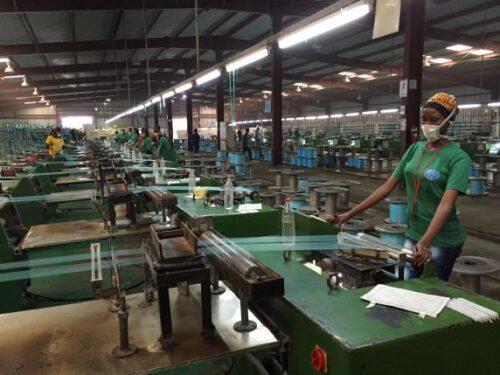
x=132 y=138
x=121 y=137
x=165 y=151
x=433 y=173
x=146 y=145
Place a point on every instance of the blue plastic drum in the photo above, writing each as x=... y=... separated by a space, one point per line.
x=476 y=185
x=398 y=211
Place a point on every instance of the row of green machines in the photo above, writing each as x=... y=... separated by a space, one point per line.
x=80 y=295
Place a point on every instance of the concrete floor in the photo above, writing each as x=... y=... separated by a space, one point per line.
x=480 y=215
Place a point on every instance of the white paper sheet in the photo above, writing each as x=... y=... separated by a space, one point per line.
x=420 y=303
x=474 y=311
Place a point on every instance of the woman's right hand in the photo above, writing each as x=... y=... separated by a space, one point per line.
x=341 y=219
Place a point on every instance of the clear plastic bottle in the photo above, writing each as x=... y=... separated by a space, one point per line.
x=228 y=194
x=288 y=225
x=192 y=182
x=133 y=155
x=156 y=172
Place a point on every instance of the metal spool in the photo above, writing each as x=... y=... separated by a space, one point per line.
x=269 y=197
x=332 y=194
x=393 y=233
x=293 y=180
x=278 y=179
x=354 y=226
x=343 y=203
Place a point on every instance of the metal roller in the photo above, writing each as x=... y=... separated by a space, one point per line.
x=234 y=254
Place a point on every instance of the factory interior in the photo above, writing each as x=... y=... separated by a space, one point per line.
x=229 y=187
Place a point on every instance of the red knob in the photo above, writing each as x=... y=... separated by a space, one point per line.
x=318 y=359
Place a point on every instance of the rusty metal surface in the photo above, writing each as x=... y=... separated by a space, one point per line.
x=61 y=181
x=69 y=196
x=78 y=338
x=61 y=233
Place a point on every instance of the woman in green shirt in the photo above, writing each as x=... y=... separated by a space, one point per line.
x=165 y=150
x=433 y=173
x=146 y=146
x=132 y=138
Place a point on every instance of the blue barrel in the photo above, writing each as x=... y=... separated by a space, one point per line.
x=393 y=234
x=476 y=185
x=473 y=172
x=240 y=169
x=251 y=187
x=304 y=185
x=297 y=201
x=398 y=211
x=311 y=163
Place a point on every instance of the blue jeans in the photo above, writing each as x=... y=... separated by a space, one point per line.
x=443 y=257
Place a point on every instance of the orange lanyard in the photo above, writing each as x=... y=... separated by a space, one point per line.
x=418 y=178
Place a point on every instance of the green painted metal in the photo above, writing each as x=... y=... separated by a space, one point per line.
x=31 y=213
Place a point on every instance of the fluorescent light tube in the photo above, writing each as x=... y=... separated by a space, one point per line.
x=248 y=59
x=391 y=110
x=466 y=106
x=325 y=24
x=440 y=60
x=208 y=77
x=370 y=112
x=184 y=87
x=322 y=117
x=14 y=77
x=481 y=52
x=148 y=103
x=309 y=118
x=156 y=99
x=167 y=95
x=337 y=115
x=495 y=104
x=458 y=47
x=352 y=114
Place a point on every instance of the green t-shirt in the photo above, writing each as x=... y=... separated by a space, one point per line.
x=246 y=140
x=132 y=138
x=448 y=170
x=147 y=145
x=165 y=151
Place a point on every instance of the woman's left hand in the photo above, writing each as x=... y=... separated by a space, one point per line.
x=421 y=253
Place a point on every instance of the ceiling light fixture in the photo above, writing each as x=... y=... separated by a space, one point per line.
x=337 y=115
x=167 y=95
x=458 y=47
x=247 y=60
x=108 y=99
x=156 y=99
x=347 y=74
x=25 y=82
x=325 y=24
x=481 y=52
x=352 y=114
x=494 y=104
x=240 y=101
x=9 y=68
x=211 y=75
x=365 y=76
x=347 y=79
x=468 y=106
x=391 y=110
x=183 y=88
x=42 y=99
x=366 y=113
x=30 y=102
x=35 y=91
x=440 y=60
x=17 y=76
x=316 y=86
x=4 y=60
x=427 y=61
x=322 y=117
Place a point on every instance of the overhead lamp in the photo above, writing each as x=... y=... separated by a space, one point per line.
x=322 y=117
x=481 y=52
x=183 y=88
x=325 y=24
x=17 y=76
x=167 y=95
x=25 y=82
x=316 y=86
x=352 y=114
x=458 y=47
x=290 y=119
x=95 y=109
x=156 y=99
x=300 y=84
x=285 y=94
x=148 y=103
x=299 y=89
x=310 y=118
x=248 y=59
x=30 y=102
x=4 y=59
x=42 y=99
x=365 y=76
x=468 y=106
x=495 y=104
x=240 y=101
x=359 y=97
x=47 y=103
x=9 y=68
x=105 y=104
x=35 y=91
x=211 y=75
x=440 y=60
x=337 y=115
x=347 y=79
x=367 y=113
x=300 y=118
x=391 y=110
x=427 y=61
x=348 y=74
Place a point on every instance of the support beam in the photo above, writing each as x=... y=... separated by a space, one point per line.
x=156 y=117
x=219 y=101
x=277 y=90
x=170 y=127
x=412 y=69
x=206 y=43
x=189 y=118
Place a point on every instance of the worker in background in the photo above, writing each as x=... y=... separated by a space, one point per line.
x=164 y=150
x=146 y=145
x=133 y=136
x=55 y=142
x=246 y=143
x=195 y=141
x=434 y=172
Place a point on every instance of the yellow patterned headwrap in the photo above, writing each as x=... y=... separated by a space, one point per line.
x=443 y=102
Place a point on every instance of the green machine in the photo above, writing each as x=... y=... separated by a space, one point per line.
x=331 y=330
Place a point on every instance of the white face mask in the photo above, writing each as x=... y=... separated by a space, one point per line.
x=433 y=132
